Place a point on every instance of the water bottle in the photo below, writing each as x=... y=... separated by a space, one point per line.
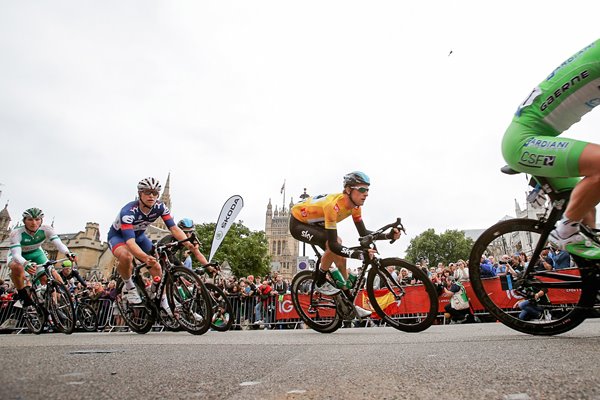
x=154 y=286
x=337 y=277
x=351 y=280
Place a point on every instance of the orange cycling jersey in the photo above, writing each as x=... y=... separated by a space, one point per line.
x=326 y=208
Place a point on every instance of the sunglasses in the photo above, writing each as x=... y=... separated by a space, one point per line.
x=361 y=189
x=149 y=192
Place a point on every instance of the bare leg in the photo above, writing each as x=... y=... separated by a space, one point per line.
x=586 y=195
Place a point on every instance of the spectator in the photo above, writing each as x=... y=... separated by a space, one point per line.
x=406 y=277
x=531 y=307
x=487 y=267
x=187 y=262
x=504 y=267
x=458 y=309
x=461 y=273
x=262 y=300
x=561 y=259
x=545 y=262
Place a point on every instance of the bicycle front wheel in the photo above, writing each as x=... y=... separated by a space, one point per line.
x=34 y=317
x=87 y=317
x=61 y=307
x=139 y=317
x=222 y=310
x=511 y=298
x=189 y=300
x=409 y=308
x=316 y=310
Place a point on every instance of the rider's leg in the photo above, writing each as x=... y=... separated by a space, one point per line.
x=124 y=265
x=17 y=275
x=586 y=194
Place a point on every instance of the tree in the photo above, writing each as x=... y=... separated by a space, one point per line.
x=450 y=246
x=246 y=252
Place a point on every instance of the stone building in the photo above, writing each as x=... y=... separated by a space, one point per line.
x=283 y=248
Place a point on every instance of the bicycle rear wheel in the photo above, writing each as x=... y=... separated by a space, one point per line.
x=409 y=308
x=316 y=310
x=139 y=317
x=222 y=310
x=87 y=317
x=566 y=303
x=35 y=318
x=189 y=300
x=60 y=306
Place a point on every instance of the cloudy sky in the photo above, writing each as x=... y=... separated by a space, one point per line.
x=234 y=97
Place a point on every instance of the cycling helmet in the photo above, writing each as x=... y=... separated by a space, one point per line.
x=33 y=212
x=149 y=184
x=67 y=264
x=356 y=178
x=186 y=224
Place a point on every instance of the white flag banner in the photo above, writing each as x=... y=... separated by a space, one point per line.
x=229 y=212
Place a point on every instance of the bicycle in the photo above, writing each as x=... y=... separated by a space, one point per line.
x=571 y=293
x=409 y=308
x=187 y=296
x=85 y=315
x=222 y=310
x=51 y=300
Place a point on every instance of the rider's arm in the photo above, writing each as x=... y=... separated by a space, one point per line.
x=15 y=247
x=76 y=275
x=60 y=246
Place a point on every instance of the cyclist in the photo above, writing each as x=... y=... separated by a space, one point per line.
x=532 y=144
x=26 y=251
x=315 y=219
x=127 y=238
x=68 y=272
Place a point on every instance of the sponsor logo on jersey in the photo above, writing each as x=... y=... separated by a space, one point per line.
x=565 y=87
x=128 y=219
x=303 y=212
x=570 y=60
x=306 y=235
x=336 y=208
x=546 y=144
x=593 y=102
x=537 y=160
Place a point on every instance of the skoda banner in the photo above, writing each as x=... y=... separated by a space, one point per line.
x=229 y=212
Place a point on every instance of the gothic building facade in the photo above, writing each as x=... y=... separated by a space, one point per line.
x=283 y=248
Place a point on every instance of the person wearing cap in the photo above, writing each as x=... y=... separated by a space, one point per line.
x=26 y=251
x=315 y=219
x=68 y=272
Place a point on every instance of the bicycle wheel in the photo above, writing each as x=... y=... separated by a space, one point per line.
x=409 y=308
x=139 y=317
x=168 y=321
x=60 y=306
x=35 y=318
x=316 y=310
x=87 y=317
x=567 y=299
x=222 y=311
x=189 y=300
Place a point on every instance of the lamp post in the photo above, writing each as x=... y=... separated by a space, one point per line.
x=303 y=197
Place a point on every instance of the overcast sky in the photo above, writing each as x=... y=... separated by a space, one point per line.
x=234 y=97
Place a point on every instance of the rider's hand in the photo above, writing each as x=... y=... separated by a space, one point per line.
x=151 y=261
x=372 y=253
x=30 y=267
x=71 y=256
x=395 y=234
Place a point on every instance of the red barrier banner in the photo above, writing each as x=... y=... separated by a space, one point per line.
x=498 y=288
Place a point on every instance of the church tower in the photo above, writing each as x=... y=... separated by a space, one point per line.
x=283 y=248
x=4 y=223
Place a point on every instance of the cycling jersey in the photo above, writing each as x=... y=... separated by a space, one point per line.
x=315 y=221
x=327 y=209
x=131 y=223
x=530 y=143
x=28 y=247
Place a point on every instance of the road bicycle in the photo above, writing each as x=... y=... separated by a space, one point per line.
x=187 y=297
x=51 y=302
x=222 y=310
x=409 y=308
x=85 y=314
x=570 y=293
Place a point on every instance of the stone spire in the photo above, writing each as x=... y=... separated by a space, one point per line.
x=4 y=223
x=166 y=194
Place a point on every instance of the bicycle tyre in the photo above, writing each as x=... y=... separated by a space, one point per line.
x=189 y=299
x=87 y=317
x=326 y=324
x=504 y=230
x=219 y=300
x=34 y=317
x=396 y=311
x=62 y=310
x=139 y=318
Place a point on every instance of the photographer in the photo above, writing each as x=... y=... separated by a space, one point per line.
x=458 y=310
x=531 y=307
x=545 y=263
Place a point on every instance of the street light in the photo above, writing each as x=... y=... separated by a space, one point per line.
x=303 y=197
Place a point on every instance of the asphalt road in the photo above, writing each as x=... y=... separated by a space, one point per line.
x=480 y=361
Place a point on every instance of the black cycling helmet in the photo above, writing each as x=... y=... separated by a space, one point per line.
x=356 y=178
x=186 y=224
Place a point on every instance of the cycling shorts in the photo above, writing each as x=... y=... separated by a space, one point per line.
x=533 y=152
x=115 y=240
x=37 y=256
x=308 y=233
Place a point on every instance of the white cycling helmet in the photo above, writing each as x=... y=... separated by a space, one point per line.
x=149 y=184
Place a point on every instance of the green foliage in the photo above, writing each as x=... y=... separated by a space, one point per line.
x=246 y=252
x=448 y=247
